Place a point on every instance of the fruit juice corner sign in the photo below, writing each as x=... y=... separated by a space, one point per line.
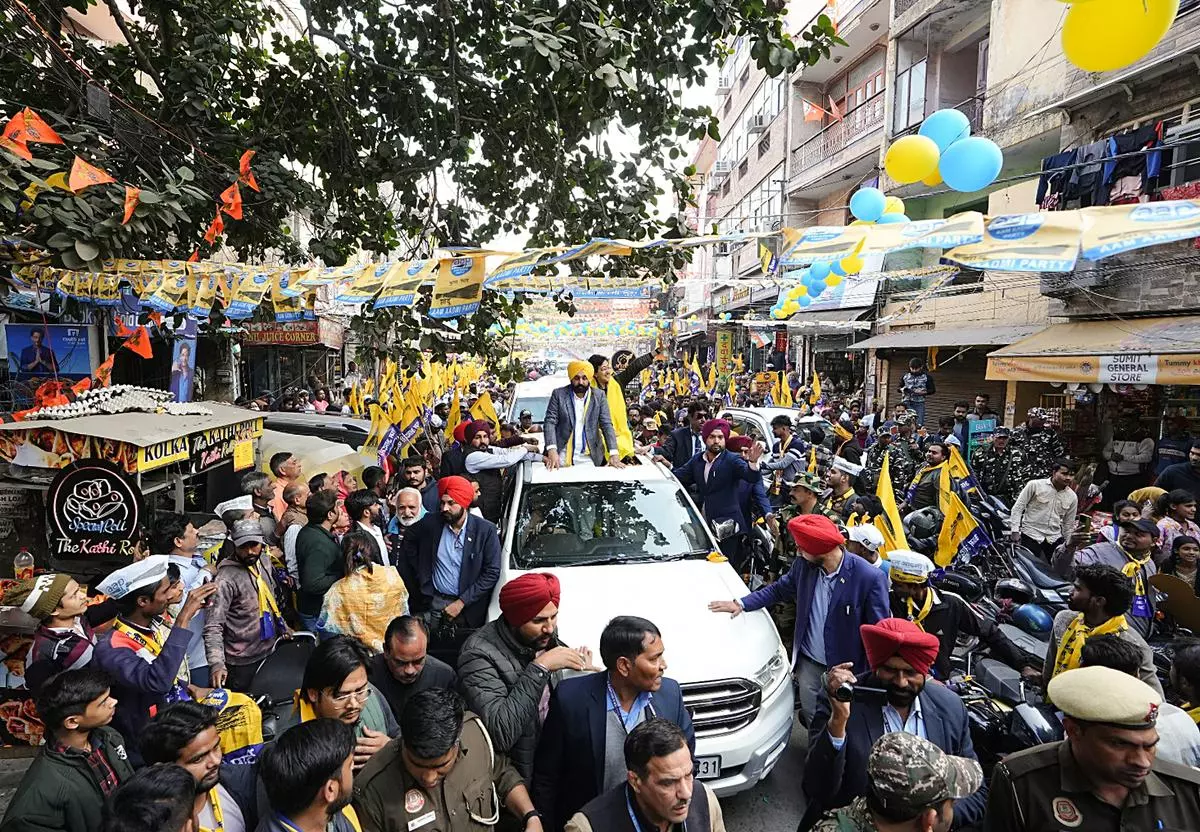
x=94 y=511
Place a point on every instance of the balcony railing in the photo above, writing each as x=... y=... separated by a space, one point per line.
x=835 y=138
x=972 y=108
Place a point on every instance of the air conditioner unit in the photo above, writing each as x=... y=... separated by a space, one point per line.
x=721 y=169
x=1186 y=158
x=724 y=85
x=757 y=123
x=723 y=249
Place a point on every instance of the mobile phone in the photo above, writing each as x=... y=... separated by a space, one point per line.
x=1085 y=522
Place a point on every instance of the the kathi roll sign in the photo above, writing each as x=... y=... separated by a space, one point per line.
x=94 y=511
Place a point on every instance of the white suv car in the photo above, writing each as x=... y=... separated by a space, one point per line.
x=631 y=542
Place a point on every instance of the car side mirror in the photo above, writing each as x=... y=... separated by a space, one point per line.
x=725 y=529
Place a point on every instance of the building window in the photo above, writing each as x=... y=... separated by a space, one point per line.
x=764 y=147
x=725 y=188
x=743 y=168
x=910 y=97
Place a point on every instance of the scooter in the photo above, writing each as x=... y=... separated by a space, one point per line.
x=1004 y=715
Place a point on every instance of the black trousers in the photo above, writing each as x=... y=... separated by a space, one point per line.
x=1044 y=550
x=240 y=677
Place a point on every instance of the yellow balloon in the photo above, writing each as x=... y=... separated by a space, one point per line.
x=911 y=158
x=862 y=222
x=800 y=290
x=894 y=205
x=833 y=279
x=852 y=264
x=935 y=178
x=1103 y=35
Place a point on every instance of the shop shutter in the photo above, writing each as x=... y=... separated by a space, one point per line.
x=960 y=379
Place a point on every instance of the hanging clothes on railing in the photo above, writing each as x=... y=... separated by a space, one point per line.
x=1052 y=186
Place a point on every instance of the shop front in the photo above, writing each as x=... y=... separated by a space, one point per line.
x=1141 y=373
x=276 y=355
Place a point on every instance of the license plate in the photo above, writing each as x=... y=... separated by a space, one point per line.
x=708 y=768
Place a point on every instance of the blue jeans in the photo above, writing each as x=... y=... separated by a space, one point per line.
x=309 y=622
x=919 y=409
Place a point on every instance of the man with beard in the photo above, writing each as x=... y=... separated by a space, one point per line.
x=443 y=770
x=714 y=475
x=900 y=655
x=416 y=475
x=407 y=510
x=1105 y=776
x=1040 y=445
x=902 y=463
x=405 y=668
x=925 y=489
x=790 y=456
x=1132 y=555
x=840 y=479
x=576 y=416
x=1097 y=606
x=307 y=775
x=834 y=592
x=486 y=463
x=685 y=442
x=457 y=556
x=506 y=667
x=580 y=755
x=1184 y=475
x=946 y=615
x=186 y=734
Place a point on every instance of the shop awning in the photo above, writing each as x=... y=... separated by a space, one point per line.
x=1129 y=351
x=969 y=336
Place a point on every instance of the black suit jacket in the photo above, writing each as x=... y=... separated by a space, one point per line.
x=480 y=566
x=568 y=770
x=679 y=448
x=834 y=777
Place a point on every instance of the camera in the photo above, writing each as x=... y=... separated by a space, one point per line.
x=846 y=692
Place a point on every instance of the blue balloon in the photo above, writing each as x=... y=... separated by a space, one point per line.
x=892 y=219
x=836 y=268
x=816 y=289
x=971 y=164
x=945 y=127
x=867 y=204
x=819 y=271
x=804 y=301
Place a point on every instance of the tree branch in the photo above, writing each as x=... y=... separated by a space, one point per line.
x=142 y=60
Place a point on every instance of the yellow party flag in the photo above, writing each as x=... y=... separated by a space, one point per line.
x=957 y=526
x=785 y=392
x=484 y=409
x=732 y=392
x=695 y=369
x=712 y=378
x=815 y=396
x=889 y=523
x=455 y=416
x=812 y=460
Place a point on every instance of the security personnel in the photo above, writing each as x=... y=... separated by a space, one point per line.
x=1040 y=445
x=997 y=467
x=1104 y=776
x=806 y=494
x=441 y=775
x=841 y=478
x=946 y=615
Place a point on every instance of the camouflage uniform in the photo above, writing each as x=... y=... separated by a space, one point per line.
x=999 y=473
x=908 y=774
x=836 y=506
x=1039 y=450
x=902 y=468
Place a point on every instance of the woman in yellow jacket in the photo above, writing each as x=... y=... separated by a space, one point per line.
x=612 y=390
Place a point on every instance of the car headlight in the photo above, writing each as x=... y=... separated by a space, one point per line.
x=773 y=672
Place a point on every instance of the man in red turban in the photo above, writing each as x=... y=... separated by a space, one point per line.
x=841 y=733
x=506 y=667
x=460 y=492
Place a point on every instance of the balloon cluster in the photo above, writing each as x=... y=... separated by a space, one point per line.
x=1103 y=35
x=726 y=316
x=943 y=150
x=812 y=282
x=870 y=207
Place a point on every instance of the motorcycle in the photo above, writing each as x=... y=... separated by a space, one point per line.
x=278 y=678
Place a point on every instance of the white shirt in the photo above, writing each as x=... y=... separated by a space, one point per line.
x=479 y=460
x=580 y=428
x=289 y=550
x=231 y=815
x=373 y=530
x=192 y=574
x=1178 y=736
x=1133 y=456
x=1044 y=513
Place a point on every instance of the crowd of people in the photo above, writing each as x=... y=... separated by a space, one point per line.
x=144 y=687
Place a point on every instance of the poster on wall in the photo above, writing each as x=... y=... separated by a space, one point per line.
x=183 y=362
x=40 y=351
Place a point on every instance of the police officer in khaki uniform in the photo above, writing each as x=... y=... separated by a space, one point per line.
x=1104 y=776
x=441 y=775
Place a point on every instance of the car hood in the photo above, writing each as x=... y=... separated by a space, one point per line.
x=700 y=645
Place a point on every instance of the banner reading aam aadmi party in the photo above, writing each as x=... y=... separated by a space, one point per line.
x=1044 y=241
x=1113 y=229
x=458 y=289
x=400 y=288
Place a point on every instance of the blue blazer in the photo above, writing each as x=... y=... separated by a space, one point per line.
x=480 y=567
x=568 y=770
x=859 y=597
x=834 y=777
x=681 y=447
x=754 y=500
x=718 y=494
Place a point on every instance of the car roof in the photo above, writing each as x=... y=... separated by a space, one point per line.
x=770 y=413
x=648 y=471
x=540 y=387
x=280 y=420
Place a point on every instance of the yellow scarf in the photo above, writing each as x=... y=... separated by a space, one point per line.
x=1193 y=712
x=218 y=816
x=1071 y=648
x=153 y=646
x=266 y=604
x=620 y=419
x=922 y=613
x=1133 y=570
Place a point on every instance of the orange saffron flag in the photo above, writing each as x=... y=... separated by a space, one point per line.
x=231 y=201
x=37 y=131
x=123 y=331
x=132 y=197
x=82 y=386
x=103 y=374
x=13 y=137
x=156 y=317
x=244 y=173
x=84 y=175
x=811 y=111
x=139 y=342
x=195 y=258
x=216 y=227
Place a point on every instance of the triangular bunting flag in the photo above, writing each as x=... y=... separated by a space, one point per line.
x=82 y=386
x=132 y=197
x=37 y=131
x=215 y=228
x=231 y=201
x=103 y=373
x=123 y=331
x=244 y=173
x=139 y=343
x=13 y=137
x=84 y=175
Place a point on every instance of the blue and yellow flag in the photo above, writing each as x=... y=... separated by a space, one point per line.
x=889 y=523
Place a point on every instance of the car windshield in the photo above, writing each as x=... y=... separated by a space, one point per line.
x=571 y=524
x=536 y=406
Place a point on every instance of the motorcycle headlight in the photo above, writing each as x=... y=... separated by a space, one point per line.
x=773 y=672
